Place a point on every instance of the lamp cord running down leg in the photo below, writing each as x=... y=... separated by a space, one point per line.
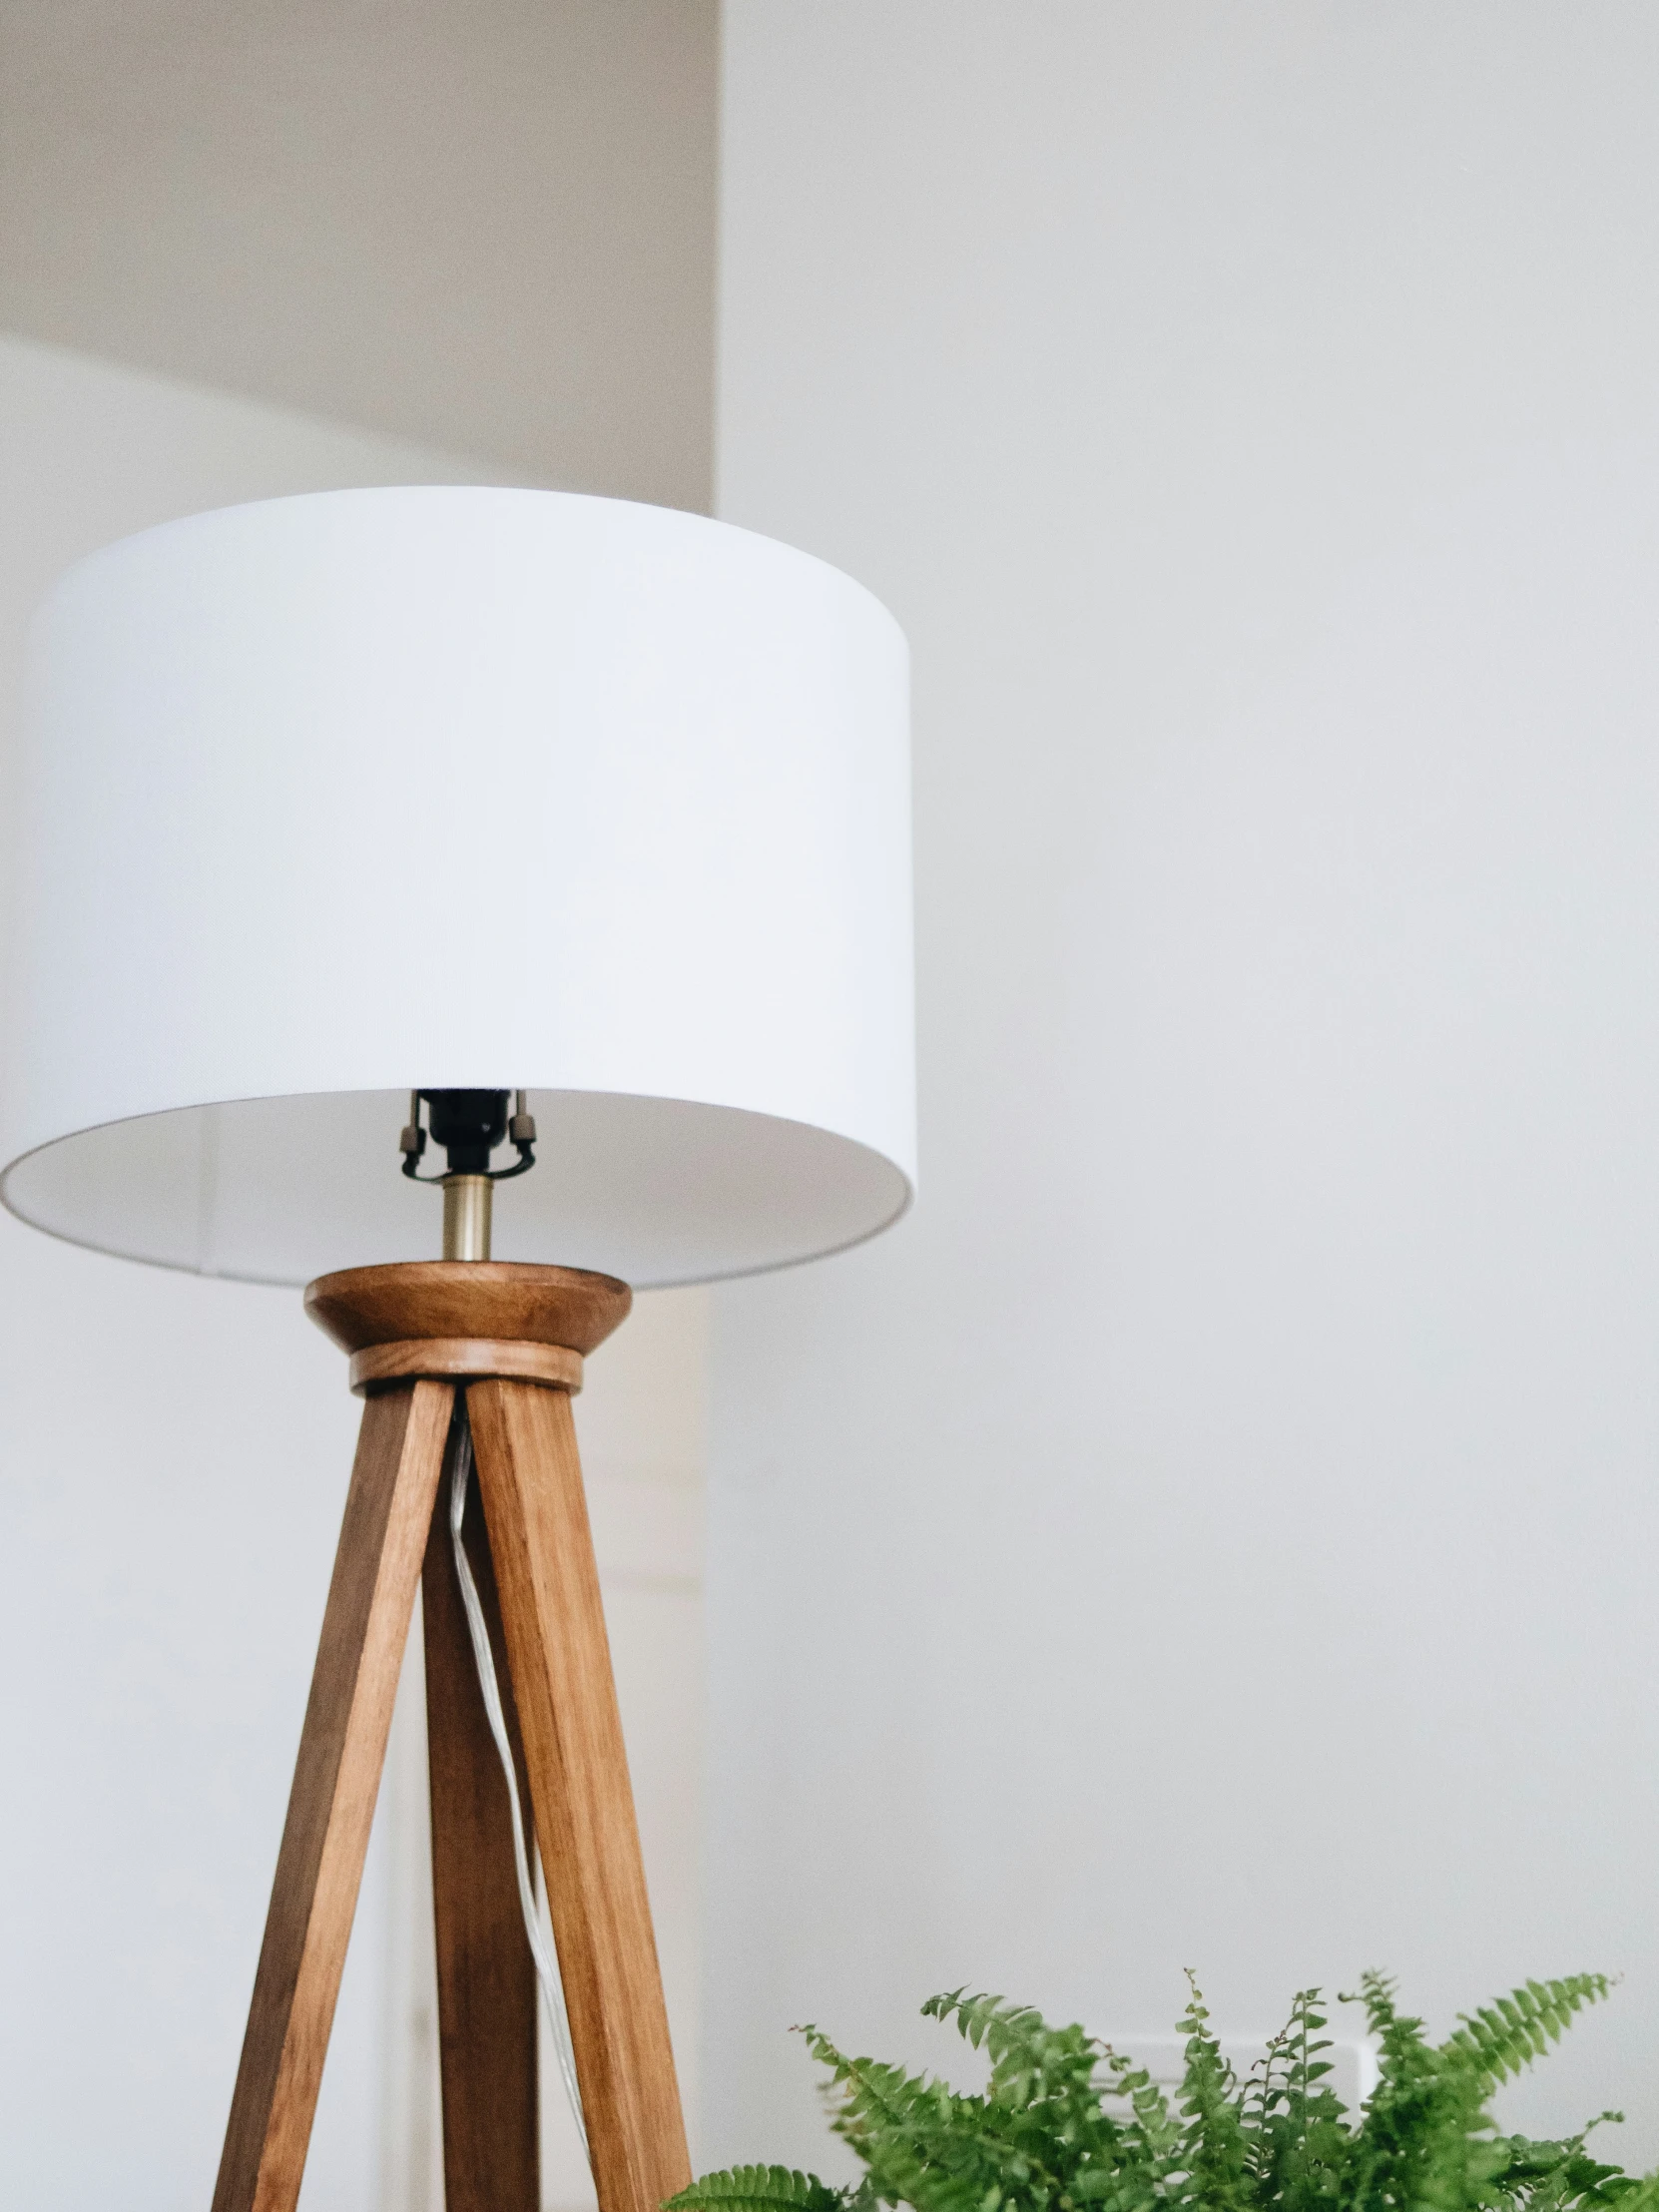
x=541 y=1949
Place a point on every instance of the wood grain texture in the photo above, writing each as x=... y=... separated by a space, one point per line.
x=550 y=1365
x=389 y=1512
x=468 y=1297
x=486 y=1977
x=524 y=1443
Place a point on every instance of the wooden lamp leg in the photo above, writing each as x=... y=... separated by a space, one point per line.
x=445 y=1322
x=486 y=1977
x=342 y=1747
x=524 y=1444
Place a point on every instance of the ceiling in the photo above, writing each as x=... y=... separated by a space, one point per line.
x=489 y=227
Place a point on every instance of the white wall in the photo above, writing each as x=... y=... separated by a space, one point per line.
x=174 y=1456
x=1216 y=1529
x=489 y=228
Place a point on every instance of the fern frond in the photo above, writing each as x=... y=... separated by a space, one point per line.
x=1377 y=1993
x=925 y=2146
x=875 y=2096
x=1030 y=2062
x=1503 y=2038
x=1411 y=2145
x=1629 y=2194
x=1214 y=2147
x=1299 y=2142
x=758 y=2189
x=1150 y=2138
x=1562 y=2176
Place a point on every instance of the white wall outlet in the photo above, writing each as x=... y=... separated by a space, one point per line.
x=1351 y=2059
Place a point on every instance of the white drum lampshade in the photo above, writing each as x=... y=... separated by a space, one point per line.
x=331 y=798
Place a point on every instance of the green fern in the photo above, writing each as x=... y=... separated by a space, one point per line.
x=1504 y=2038
x=924 y=2146
x=1065 y=2125
x=1303 y=2151
x=1215 y=2147
x=758 y=2189
x=1552 y=2177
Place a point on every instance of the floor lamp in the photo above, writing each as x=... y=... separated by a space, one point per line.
x=379 y=838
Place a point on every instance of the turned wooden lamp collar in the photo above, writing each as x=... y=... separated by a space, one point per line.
x=249 y=920
x=465 y=1316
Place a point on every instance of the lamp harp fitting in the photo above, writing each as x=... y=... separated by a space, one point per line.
x=468 y=1124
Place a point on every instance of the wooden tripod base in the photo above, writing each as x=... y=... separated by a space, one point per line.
x=505 y=1345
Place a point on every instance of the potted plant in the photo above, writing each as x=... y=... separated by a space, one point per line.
x=1065 y=2125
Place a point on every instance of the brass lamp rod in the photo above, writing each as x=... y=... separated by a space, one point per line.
x=467 y=1204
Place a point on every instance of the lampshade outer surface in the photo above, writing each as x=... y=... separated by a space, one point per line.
x=329 y=797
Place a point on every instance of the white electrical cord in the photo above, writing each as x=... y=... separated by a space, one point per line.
x=547 y=1970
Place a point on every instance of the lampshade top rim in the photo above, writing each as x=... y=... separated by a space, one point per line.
x=471 y=494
